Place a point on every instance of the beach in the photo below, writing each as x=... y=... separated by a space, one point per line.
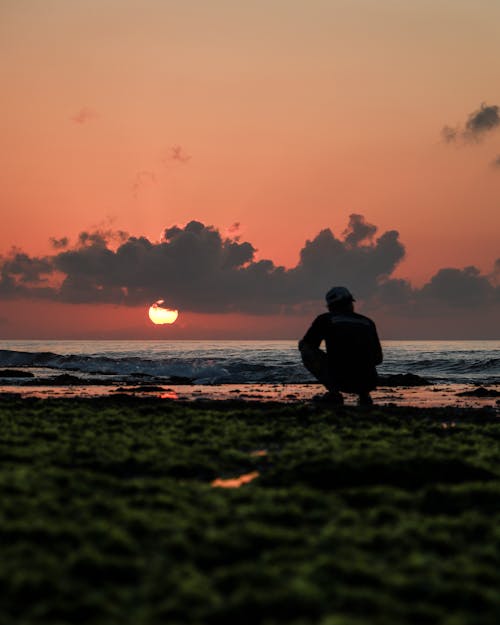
x=135 y=509
x=461 y=396
x=424 y=374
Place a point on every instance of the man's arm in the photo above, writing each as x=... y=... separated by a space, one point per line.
x=314 y=336
x=377 y=348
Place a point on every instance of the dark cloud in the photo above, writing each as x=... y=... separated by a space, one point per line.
x=22 y=275
x=195 y=268
x=483 y=120
x=59 y=244
x=358 y=231
x=26 y=269
x=463 y=288
x=356 y=260
x=495 y=274
x=102 y=237
x=477 y=125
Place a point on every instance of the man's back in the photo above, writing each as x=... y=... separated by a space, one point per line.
x=353 y=348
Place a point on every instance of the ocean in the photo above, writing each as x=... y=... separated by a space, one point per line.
x=240 y=362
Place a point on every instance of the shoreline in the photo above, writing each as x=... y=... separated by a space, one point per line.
x=426 y=396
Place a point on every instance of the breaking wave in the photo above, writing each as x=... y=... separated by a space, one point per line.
x=226 y=362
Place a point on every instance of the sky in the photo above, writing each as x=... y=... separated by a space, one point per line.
x=237 y=159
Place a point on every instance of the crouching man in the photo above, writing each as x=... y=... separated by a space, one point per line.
x=352 y=349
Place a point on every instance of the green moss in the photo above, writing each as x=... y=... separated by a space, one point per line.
x=108 y=515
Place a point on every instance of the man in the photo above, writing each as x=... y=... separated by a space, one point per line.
x=352 y=349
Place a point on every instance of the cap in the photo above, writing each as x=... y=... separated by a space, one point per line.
x=338 y=294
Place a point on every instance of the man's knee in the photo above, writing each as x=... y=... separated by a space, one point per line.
x=312 y=356
x=315 y=361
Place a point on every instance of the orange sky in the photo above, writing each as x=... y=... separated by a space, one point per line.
x=290 y=116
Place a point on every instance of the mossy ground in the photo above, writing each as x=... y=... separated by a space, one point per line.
x=381 y=517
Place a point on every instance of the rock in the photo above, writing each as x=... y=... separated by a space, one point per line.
x=402 y=379
x=481 y=391
x=65 y=379
x=179 y=379
x=15 y=373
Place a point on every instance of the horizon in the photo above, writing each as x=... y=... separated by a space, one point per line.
x=233 y=340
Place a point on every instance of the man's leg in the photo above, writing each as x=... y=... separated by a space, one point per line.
x=365 y=399
x=316 y=362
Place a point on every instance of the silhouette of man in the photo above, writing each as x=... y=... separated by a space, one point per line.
x=352 y=349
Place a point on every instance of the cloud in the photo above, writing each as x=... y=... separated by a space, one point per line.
x=485 y=119
x=27 y=270
x=479 y=123
x=196 y=268
x=58 y=244
x=21 y=275
x=177 y=153
x=356 y=260
x=102 y=237
x=495 y=274
x=450 y=134
x=462 y=288
x=358 y=230
x=84 y=115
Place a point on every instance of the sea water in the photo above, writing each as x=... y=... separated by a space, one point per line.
x=242 y=362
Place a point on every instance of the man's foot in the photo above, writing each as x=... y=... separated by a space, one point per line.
x=332 y=398
x=364 y=399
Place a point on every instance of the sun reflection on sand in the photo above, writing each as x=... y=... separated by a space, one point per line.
x=235 y=482
x=432 y=396
x=168 y=394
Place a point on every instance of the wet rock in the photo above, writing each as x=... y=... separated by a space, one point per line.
x=146 y=388
x=99 y=372
x=481 y=391
x=15 y=373
x=66 y=379
x=63 y=379
x=179 y=379
x=403 y=379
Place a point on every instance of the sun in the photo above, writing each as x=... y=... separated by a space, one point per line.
x=160 y=315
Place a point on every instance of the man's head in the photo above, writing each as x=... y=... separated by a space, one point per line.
x=339 y=299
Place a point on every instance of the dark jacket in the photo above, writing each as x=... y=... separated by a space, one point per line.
x=352 y=346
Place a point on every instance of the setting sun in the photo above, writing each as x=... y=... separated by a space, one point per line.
x=160 y=315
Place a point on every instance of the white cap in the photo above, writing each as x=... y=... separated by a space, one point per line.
x=338 y=294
